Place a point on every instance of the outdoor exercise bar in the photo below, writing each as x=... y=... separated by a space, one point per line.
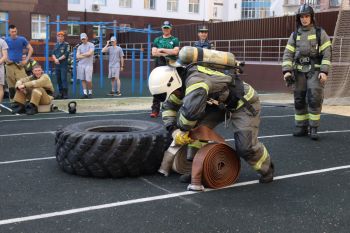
x=58 y=23
x=149 y=31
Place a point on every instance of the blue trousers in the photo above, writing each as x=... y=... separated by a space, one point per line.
x=61 y=75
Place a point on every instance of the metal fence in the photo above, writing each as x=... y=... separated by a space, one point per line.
x=254 y=50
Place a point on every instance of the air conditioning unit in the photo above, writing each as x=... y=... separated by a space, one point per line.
x=95 y=7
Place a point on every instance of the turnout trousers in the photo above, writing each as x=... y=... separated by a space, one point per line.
x=308 y=99
x=36 y=96
x=245 y=131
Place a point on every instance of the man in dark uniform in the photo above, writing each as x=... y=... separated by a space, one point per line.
x=60 y=56
x=203 y=41
x=164 y=45
x=306 y=62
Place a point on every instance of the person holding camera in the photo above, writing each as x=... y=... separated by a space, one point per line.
x=116 y=64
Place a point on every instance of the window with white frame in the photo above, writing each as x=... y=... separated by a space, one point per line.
x=124 y=26
x=73 y=29
x=73 y=1
x=3 y=16
x=100 y=2
x=125 y=3
x=150 y=4
x=172 y=5
x=97 y=30
x=193 y=6
x=38 y=27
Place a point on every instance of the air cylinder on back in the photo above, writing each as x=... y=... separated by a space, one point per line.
x=190 y=54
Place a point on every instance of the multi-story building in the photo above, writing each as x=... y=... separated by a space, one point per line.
x=30 y=15
x=291 y=6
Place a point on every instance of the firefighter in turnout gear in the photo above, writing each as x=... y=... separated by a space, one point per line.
x=306 y=62
x=188 y=94
x=203 y=41
x=36 y=88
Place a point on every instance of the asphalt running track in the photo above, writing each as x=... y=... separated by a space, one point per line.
x=311 y=192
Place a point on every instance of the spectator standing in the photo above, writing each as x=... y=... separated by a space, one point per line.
x=203 y=41
x=116 y=64
x=15 y=65
x=3 y=58
x=85 y=54
x=60 y=56
x=164 y=45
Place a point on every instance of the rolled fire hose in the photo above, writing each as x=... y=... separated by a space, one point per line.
x=216 y=164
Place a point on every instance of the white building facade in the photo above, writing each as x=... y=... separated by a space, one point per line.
x=207 y=10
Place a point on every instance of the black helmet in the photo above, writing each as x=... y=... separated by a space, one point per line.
x=305 y=9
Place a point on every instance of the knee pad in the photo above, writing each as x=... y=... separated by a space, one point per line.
x=299 y=99
x=314 y=97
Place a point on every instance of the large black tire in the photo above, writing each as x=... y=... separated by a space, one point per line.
x=111 y=148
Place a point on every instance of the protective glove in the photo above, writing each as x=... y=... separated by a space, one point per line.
x=181 y=137
x=288 y=78
x=323 y=78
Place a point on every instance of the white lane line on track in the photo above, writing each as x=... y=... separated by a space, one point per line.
x=112 y=114
x=26 y=160
x=156 y=198
x=71 y=116
x=24 y=134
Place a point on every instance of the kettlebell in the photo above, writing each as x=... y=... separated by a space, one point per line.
x=72 y=107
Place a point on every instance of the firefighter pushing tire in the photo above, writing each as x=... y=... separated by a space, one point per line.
x=111 y=148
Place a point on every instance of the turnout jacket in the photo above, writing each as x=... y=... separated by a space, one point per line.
x=43 y=82
x=305 y=45
x=184 y=110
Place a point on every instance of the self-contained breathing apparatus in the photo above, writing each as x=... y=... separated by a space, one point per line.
x=217 y=62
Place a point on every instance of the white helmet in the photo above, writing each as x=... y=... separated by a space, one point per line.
x=163 y=81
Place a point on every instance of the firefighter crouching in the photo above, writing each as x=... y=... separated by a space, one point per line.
x=192 y=96
x=306 y=62
x=37 y=89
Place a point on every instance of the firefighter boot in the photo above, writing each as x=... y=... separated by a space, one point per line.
x=313 y=133
x=300 y=131
x=17 y=108
x=31 y=109
x=186 y=178
x=268 y=176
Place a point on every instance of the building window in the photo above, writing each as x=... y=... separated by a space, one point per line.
x=124 y=27
x=38 y=27
x=193 y=6
x=172 y=5
x=97 y=30
x=125 y=3
x=73 y=1
x=255 y=9
x=150 y=4
x=100 y=2
x=3 y=16
x=334 y=3
x=73 y=29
